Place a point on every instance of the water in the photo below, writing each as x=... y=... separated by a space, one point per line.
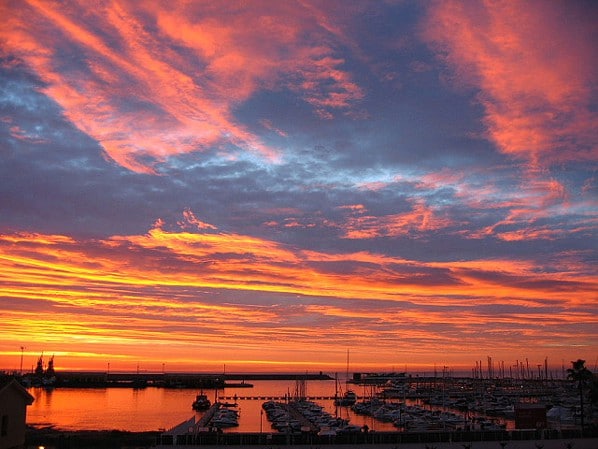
x=150 y=409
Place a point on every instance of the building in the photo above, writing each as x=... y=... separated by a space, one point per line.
x=530 y=416
x=14 y=400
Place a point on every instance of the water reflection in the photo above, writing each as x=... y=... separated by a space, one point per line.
x=157 y=408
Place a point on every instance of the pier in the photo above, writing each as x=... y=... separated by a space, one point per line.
x=207 y=416
x=273 y=398
x=305 y=423
x=140 y=379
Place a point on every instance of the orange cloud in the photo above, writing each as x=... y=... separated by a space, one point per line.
x=109 y=296
x=533 y=72
x=239 y=262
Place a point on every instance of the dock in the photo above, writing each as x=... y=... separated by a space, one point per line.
x=305 y=423
x=207 y=416
x=186 y=432
x=274 y=398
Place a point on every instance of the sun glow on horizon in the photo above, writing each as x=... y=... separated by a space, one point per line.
x=151 y=298
x=414 y=182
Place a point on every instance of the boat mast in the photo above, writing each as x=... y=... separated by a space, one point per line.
x=347 y=373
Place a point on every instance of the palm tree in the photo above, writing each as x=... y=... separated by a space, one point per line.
x=580 y=374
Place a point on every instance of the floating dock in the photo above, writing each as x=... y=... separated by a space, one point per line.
x=208 y=415
x=274 y=398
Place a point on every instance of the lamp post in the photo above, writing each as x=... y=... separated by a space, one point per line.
x=21 y=368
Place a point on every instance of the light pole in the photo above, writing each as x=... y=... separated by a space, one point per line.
x=21 y=368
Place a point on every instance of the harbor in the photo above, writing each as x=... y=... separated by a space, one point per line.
x=418 y=411
x=459 y=403
x=187 y=409
x=397 y=409
x=494 y=400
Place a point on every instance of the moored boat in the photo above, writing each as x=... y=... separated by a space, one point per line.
x=201 y=402
x=348 y=399
x=224 y=418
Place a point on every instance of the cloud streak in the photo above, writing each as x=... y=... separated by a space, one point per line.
x=145 y=99
x=536 y=109
x=117 y=293
x=266 y=185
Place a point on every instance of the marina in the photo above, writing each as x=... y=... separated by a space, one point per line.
x=386 y=410
x=403 y=410
x=403 y=404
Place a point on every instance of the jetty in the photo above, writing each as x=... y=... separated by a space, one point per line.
x=208 y=415
x=141 y=379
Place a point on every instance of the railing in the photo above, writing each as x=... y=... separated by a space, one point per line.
x=361 y=438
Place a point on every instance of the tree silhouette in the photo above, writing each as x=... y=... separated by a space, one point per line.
x=594 y=390
x=580 y=374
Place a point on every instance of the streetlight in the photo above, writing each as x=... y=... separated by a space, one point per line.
x=21 y=368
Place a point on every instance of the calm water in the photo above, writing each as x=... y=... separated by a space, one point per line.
x=159 y=408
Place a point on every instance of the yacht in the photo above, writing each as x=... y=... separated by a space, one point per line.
x=201 y=402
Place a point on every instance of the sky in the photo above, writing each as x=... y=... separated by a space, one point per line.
x=264 y=185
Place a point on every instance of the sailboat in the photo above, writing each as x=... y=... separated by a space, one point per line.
x=349 y=397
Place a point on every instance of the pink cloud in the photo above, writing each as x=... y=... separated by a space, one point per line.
x=534 y=66
x=421 y=218
x=20 y=134
x=268 y=125
x=190 y=221
x=187 y=75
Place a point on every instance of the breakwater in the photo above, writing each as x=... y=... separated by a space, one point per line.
x=105 y=379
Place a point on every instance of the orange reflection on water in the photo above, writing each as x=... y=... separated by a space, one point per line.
x=150 y=409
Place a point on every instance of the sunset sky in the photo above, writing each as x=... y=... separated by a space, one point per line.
x=264 y=185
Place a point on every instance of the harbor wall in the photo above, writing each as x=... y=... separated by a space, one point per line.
x=105 y=379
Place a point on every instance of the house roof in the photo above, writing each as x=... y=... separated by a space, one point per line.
x=12 y=383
